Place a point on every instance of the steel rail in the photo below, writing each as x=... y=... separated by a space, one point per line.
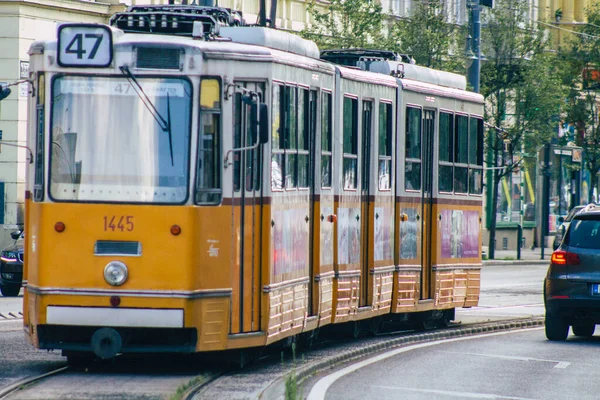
x=10 y=389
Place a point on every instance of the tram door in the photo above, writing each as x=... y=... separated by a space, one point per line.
x=312 y=135
x=427 y=202
x=246 y=213
x=367 y=123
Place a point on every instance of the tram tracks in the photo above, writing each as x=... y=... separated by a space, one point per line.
x=13 y=388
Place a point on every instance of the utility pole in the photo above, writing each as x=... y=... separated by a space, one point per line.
x=473 y=45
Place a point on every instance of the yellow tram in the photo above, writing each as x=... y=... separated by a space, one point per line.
x=200 y=185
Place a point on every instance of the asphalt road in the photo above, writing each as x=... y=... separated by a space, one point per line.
x=506 y=365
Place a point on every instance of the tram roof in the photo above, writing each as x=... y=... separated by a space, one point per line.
x=365 y=76
x=217 y=49
x=437 y=90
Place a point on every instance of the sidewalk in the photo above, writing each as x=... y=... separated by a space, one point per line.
x=528 y=256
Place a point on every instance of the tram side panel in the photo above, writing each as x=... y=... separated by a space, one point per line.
x=295 y=299
x=407 y=282
x=458 y=208
x=362 y=288
x=439 y=257
x=324 y=218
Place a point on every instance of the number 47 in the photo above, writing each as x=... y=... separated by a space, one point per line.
x=76 y=45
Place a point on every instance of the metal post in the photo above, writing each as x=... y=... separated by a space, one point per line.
x=521 y=200
x=545 y=197
x=474 y=68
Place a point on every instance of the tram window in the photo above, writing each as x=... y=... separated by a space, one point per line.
x=476 y=156
x=276 y=126
x=350 y=143
x=413 y=149
x=446 y=152
x=385 y=146
x=237 y=140
x=303 y=123
x=291 y=137
x=208 y=177
x=277 y=137
x=38 y=185
x=210 y=94
x=461 y=171
x=277 y=171
x=462 y=130
x=475 y=181
x=326 y=153
x=291 y=141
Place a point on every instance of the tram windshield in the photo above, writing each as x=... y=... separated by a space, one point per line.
x=106 y=145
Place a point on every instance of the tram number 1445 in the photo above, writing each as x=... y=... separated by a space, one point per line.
x=121 y=223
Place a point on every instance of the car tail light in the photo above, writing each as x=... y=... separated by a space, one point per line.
x=561 y=257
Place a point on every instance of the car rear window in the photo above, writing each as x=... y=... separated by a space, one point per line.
x=584 y=233
x=572 y=213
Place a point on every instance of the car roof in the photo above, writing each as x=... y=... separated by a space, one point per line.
x=574 y=211
x=591 y=210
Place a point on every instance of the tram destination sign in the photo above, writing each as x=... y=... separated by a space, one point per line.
x=84 y=45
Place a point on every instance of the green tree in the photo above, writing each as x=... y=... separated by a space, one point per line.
x=582 y=60
x=522 y=91
x=428 y=37
x=346 y=24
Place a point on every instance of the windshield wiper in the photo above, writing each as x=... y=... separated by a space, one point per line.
x=165 y=125
x=169 y=127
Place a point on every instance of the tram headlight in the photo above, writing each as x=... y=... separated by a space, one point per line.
x=115 y=273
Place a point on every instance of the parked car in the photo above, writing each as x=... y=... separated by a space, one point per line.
x=572 y=284
x=11 y=266
x=564 y=224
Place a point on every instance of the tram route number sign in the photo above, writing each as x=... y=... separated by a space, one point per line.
x=84 y=45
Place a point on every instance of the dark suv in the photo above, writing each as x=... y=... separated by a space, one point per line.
x=11 y=266
x=572 y=284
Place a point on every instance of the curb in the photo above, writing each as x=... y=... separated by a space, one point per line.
x=515 y=262
x=276 y=390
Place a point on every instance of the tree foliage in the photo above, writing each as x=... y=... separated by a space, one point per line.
x=582 y=61
x=429 y=37
x=523 y=89
x=346 y=24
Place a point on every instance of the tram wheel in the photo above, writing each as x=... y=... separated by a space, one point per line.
x=584 y=330
x=556 y=329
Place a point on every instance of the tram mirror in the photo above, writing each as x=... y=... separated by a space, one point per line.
x=263 y=122
x=4 y=92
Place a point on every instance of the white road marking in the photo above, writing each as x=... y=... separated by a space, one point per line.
x=317 y=392
x=460 y=395
x=559 y=364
